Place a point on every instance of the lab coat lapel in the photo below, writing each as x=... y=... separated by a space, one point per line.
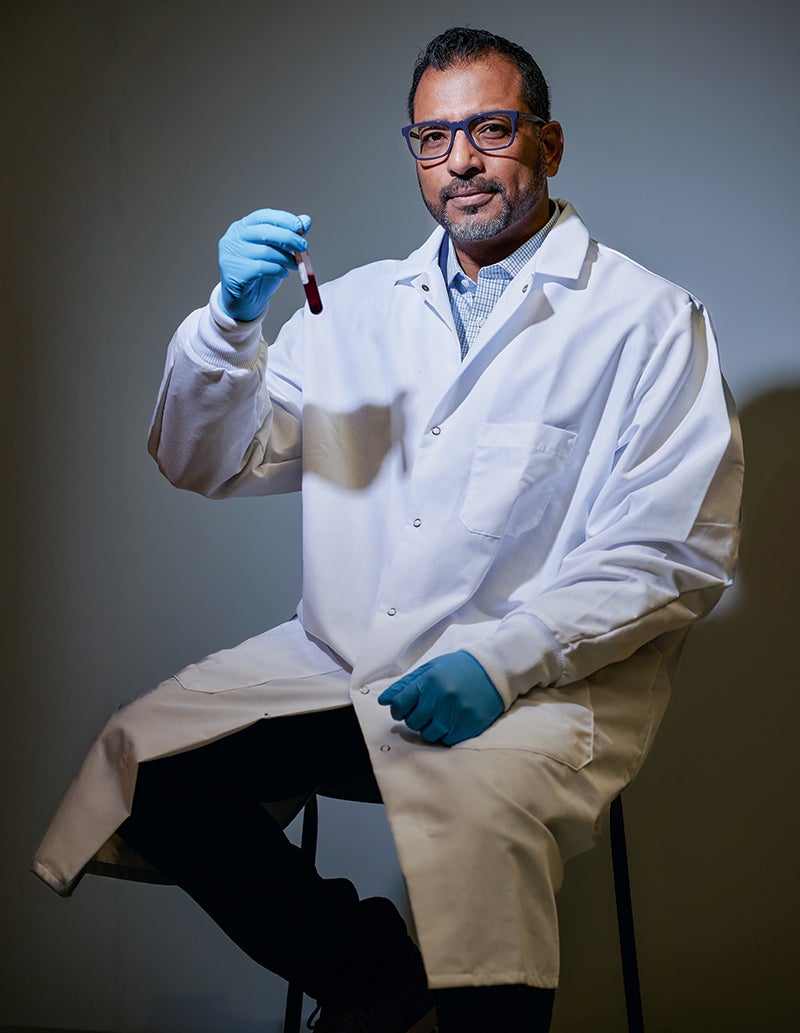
x=523 y=304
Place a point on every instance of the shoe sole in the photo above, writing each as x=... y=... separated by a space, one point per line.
x=427 y=1024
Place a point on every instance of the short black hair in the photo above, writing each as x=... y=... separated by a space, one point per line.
x=464 y=45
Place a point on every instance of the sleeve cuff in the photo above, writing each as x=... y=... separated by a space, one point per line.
x=522 y=654
x=224 y=342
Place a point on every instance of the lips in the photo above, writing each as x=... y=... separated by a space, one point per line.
x=472 y=199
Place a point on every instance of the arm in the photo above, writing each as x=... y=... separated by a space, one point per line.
x=223 y=425
x=661 y=530
x=652 y=550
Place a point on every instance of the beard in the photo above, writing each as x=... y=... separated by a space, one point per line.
x=476 y=228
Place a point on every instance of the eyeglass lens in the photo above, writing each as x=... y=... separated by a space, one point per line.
x=431 y=140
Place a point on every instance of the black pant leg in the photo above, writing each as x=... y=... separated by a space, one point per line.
x=478 y=1009
x=197 y=817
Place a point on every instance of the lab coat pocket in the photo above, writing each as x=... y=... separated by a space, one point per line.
x=285 y=653
x=558 y=723
x=514 y=471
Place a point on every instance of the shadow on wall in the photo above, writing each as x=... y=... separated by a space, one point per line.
x=714 y=851
x=712 y=838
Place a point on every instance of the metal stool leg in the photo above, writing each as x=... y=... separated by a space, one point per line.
x=308 y=844
x=627 y=938
x=622 y=891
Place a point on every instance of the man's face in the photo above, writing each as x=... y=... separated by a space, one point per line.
x=499 y=198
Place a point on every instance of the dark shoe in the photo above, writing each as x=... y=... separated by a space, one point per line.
x=409 y=1010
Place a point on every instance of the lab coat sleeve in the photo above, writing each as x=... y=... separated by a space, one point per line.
x=661 y=529
x=224 y=424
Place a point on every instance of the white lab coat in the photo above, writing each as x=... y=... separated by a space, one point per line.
x=563 y=504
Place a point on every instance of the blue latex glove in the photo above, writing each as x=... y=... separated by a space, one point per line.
x=449 y=699
x=255 y=255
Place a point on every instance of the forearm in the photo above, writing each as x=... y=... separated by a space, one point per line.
x=215 y=429
x=571 y=632
x=660 y=539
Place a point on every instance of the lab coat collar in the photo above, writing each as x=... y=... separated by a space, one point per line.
x=561 y=255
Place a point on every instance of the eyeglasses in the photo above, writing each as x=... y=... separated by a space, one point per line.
x=488 y=131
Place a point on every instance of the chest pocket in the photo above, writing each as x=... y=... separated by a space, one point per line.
x=514 y=471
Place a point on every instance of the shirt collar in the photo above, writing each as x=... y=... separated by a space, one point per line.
x=561 y=257
x=507 y=269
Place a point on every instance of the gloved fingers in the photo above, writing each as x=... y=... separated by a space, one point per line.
x=236 y=252
x=271 y=226
x=256 y=251
x=435 y=731
x=297 y=223
x=265 y=235
x=270 y=264
x=392 y=690
x=248 y=281
x=423 y=713
x=459 y=734
x=273 y=271
x=404 y=700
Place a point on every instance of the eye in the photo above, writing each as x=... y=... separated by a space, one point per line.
x=492 y=130
x=433 y=136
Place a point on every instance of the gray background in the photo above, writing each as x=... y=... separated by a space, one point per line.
x=134 y=133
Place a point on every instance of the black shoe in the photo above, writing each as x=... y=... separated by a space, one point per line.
x=410 y=1009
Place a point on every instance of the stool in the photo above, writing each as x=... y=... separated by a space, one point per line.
x=622 y=894
x=118 y=861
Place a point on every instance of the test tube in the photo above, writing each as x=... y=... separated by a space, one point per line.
x=309 y=280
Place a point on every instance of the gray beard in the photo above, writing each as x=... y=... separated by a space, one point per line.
x=475 y=229
x=467 y=232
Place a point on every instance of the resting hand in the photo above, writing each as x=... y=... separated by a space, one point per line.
x=255 y=255
x=449 y=699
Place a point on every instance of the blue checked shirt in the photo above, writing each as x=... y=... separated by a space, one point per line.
x=472 y=302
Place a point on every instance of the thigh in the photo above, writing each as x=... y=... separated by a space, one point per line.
x=273 y=759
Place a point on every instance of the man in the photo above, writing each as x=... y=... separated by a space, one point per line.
x=521 y=483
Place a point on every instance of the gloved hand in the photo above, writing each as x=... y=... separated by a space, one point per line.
x=448 y=699
x=255 y=254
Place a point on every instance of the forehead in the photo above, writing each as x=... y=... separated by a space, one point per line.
x=489 y=84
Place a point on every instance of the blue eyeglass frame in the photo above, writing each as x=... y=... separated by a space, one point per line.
x=463 y=125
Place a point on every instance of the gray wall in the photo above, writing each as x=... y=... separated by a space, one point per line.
x=134 y=133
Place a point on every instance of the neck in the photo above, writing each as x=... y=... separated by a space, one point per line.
x=475 y=255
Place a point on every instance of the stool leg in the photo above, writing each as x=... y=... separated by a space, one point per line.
x=627 y=938
x=308 y=844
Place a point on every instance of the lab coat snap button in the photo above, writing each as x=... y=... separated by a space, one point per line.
x=385 y=749
x=525 y=288
x=391 y=611
x=364 y=690
x=425 y=287
x=436 y=430
x=417 y=522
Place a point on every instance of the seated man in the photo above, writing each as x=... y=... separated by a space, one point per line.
x=521 y=480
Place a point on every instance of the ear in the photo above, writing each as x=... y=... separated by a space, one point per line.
x=552 y=137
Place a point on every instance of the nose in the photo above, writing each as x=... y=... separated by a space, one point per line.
x=464 y=157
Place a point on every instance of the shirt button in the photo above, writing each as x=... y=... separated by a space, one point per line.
x=425 y=287
x=524 y=288
x=417 y=522
x=436 y=430
x=385 y=749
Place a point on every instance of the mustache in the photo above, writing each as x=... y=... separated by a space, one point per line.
x=472 y=186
